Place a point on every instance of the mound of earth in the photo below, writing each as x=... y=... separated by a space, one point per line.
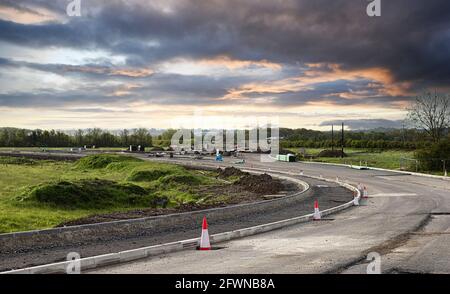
x=247 y=188
x=147 y=175
x=186 y=179
x=230 y=172
x=260 y=184
x=331 y=153
x=214 y=196
x=103 y=160
x=88 y=194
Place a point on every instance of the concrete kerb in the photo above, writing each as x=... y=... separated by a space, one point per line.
x=141 y=253
x=381 y=169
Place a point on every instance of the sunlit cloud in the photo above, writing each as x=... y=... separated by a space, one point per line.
x=125 y=90
x=379 y=80
x=234 y=64
x=28 y=15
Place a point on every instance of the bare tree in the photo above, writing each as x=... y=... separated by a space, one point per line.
x=432 y=113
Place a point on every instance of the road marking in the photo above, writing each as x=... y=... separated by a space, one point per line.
x=394 y=195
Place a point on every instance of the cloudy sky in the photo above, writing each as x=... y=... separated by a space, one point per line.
x=157 y=63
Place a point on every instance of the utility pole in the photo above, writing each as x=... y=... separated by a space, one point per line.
x=342 y=141
x=403 y=133
x=332 y=137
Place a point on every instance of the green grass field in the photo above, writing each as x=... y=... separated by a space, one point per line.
x=389 y=159
x=34 y=194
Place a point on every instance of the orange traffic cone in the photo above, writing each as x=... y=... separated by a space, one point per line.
x=317 y=214
x=364 y=201
x=204 y=239
x=365 y=193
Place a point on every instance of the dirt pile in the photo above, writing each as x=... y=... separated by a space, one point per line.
x=230 y=172
x=260 y=184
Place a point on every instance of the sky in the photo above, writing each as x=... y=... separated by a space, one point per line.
x=218 y=63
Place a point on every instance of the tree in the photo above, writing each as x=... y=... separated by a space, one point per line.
x=125 y=137
x=142 y=136
x=79 y=139
x=432 y=113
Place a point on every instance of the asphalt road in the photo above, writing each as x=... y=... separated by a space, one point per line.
x=407 y=222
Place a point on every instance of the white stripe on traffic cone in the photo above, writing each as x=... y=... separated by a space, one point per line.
x=317 y=214
x=204 y=239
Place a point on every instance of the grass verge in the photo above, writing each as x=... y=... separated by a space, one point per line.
x=38 y=194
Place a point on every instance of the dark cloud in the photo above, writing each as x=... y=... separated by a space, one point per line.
x=411 y=39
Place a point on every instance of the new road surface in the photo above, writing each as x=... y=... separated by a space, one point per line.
x=407 y=222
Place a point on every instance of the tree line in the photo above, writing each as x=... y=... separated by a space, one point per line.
x=14 y=137
x=290 y=138
x=408 y=139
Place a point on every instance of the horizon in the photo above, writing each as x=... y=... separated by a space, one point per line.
x=130 y=64
x=337 y=128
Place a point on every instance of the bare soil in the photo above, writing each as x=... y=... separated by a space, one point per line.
x=247 y=189
x=230 y=172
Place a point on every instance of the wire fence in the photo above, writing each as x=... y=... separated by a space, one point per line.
x=425 y=165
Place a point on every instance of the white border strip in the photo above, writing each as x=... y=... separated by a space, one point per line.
x=406 y=173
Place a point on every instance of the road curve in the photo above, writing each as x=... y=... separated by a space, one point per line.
x=407 y=221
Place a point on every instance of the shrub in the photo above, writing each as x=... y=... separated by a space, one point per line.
x=431 y=158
